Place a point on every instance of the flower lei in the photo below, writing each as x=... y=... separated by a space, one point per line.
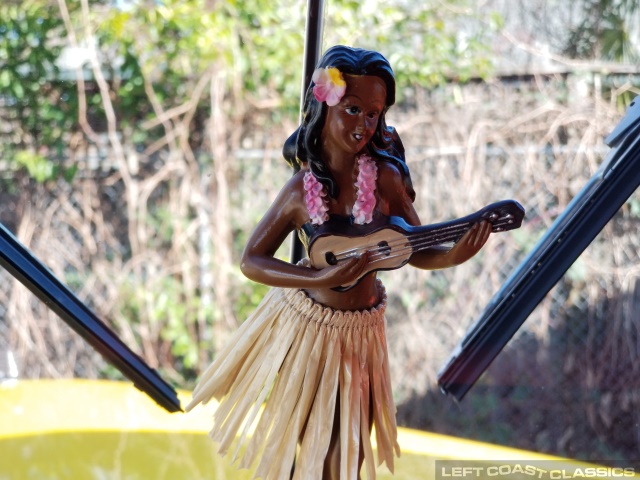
x=365 y=196
x=329 y=85
x=316 y=205
x=362 y=211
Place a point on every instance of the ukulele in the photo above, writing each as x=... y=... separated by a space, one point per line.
x=391 y=241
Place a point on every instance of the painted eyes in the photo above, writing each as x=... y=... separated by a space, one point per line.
x=355 y=110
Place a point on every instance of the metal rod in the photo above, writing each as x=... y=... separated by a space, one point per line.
x=312 y=46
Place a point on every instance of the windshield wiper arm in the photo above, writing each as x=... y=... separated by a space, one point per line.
x=25 y=267
x=586 y=215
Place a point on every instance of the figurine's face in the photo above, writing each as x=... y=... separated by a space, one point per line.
x=350 y=124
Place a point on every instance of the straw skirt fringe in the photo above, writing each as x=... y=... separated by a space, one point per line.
x=298 y=356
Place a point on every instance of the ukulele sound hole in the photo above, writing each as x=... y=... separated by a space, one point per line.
x=383 y=248
x=330 y=258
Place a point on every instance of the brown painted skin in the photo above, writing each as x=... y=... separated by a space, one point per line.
x=348 y=128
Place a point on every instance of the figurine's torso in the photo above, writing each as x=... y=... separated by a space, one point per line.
x=359 y=202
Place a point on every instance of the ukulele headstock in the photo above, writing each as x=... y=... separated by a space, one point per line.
x=503 y=216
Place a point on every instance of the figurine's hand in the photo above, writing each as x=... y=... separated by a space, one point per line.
x=344 y=272
x=470 y=243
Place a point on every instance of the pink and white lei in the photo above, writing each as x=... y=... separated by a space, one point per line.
x=365 y=194
x=316 y=205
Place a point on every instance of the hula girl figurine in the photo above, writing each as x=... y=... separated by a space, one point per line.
x=306 y=376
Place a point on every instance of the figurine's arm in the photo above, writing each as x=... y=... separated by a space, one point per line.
x=287 y=213
x=398 y=203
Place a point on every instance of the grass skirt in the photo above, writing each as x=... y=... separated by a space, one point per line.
x=298 y=356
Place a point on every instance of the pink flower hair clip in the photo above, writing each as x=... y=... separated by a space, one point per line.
x=329 y=85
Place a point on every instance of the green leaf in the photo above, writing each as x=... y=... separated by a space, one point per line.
x=39 y=168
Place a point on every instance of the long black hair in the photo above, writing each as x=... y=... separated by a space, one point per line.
x=304 y=145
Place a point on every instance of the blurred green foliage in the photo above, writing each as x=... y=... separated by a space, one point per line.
x=427 y=43
x=169 y=46
x=38 y=106
x=605 y=31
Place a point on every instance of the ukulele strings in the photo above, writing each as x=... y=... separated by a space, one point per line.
x=408 y=242
x=379 y=254
x=401 y=245
x=451 y=234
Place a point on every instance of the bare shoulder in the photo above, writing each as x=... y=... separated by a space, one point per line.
x=388 y=169
x=388 y=172
x=295 y=185
x=390 y=181
x=290 y=200
x=392 y=193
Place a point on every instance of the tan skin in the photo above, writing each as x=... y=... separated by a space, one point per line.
x=348 y=128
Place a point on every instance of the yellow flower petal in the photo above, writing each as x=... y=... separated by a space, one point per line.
x=336 y=77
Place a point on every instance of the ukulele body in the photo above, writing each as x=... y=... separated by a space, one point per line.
x=387 y=236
